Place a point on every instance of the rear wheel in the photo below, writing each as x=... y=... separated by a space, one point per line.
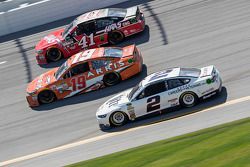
x=54 y=54
x=111 y=79
x=188 y=99
x=115 y=37
x=46 y=97
x=118 y=118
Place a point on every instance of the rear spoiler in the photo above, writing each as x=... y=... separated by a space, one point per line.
x=132 y=11
x=207 y=71
x=128 y=50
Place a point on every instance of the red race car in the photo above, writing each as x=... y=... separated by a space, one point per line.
x=90 y=30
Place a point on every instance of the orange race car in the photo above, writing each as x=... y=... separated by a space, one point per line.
x=85 y=71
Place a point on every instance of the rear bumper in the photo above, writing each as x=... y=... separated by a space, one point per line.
x=216 y=91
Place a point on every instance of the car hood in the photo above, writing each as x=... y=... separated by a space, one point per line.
x=114 y=103
x=42 y=81
x=51 y=39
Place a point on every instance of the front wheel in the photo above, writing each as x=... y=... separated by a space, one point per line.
x=188 y=99
x=111 y=79
x=54 y=54
x=115 y=37
x=46 y=97
x=118 y=118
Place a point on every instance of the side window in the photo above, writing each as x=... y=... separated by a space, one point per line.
x=174 y=83
x=79 y=69
x=99 y=63
x=102 y=23
x=86 y=28
x=67 y=75
x=152 y=90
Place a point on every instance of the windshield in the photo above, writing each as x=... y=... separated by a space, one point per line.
x=117 y=12
x=61 y=70
x=113 y=52
x=191 y=72
x=134 y=90
x=67 y=29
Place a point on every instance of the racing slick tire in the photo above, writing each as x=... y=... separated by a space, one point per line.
x=111 y=79
x=46 y=96
x=118 y=118
x=115 y=37
x=188 y=99
x=54 y=54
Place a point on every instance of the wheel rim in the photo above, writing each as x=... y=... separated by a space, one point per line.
x=112 y=79
x=116 y=37
x=54 y=54
x=118 y=118
x=47 y=97
x=188 y=99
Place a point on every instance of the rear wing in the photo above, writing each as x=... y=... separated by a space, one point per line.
x=132 y=11
x=207 y=71
x=128 y=50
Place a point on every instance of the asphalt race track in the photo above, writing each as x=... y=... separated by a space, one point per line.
x=190 y=33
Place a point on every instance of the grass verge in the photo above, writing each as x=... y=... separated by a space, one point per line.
x=223 y=146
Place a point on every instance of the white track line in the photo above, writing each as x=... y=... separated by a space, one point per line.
x=85 y=141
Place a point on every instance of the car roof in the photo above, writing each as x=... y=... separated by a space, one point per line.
x=85 y=55
x=91 y=54
x=100 y=13
x=161 y=75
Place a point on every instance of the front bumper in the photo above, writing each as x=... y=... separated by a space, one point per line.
x=41 y=59
x=103 y=122
x=32 y=101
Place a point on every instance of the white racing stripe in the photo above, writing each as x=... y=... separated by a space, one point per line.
x=97 y=138
x=3 y=62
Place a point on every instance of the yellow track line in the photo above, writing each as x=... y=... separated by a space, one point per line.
x=85 y=141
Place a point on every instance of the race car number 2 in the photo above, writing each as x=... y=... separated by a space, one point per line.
x=153 y=103
x=78 y=83
x=87 y=41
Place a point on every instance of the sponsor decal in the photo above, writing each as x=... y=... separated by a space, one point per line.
x=103 y=70
x=113 y=26
x=102 y=38
x=51 y=39
x=114 y=101
x=209 y=95
x=133 y=20
x=118 y=25
x=130 y=60
x=207 y=91
x=185 y=87
x=62 y=87
x=131 y=111
x=133 y=30
x=126 y=23
x=48 y=79
x=172 y=100
x=209 y=81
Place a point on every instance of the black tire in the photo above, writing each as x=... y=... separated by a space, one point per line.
x=54 y=54
x=111 y=79
x=118 y=118
x=188 y=99
x=115 y=37
x=46 y=96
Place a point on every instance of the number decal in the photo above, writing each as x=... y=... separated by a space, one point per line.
x=84 y=43
x=78 y=83
x=153 y=103
x=83 y=56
